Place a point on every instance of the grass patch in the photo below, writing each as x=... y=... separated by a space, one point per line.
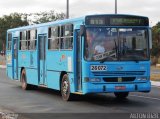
x=155 y=68
x=155 y=77
x=2 y=63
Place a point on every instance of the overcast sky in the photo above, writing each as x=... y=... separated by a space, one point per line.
x=150 y=8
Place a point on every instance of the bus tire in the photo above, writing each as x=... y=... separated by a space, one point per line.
x=65 y=88
x=24 y=84
x=121 y=95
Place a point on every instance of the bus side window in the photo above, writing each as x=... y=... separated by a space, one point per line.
x=62 y=44
x=67 y=36
x=53 y=38
x=28 y=39
x=23 y=40
x=32 y=39
x=9 y=41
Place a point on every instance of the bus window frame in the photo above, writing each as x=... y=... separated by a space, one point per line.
x=22 y=40
x=9 y=41
x=50 y=37
x=66 y=36
x=29 y=40
x=61 y=35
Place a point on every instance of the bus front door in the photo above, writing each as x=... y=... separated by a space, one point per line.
x=78 y=62
x=42 y=59
x=15 y=58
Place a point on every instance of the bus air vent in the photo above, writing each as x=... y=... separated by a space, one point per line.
x=115 y=79
x=118 y=73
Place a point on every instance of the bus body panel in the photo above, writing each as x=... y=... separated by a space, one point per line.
x=60 y=61
x=110 y=88
x=127 y=70
x=9 y=64
x=56 y=63
x=53 y=80
x=9 y=72
x=28 y=61
x=32 y=76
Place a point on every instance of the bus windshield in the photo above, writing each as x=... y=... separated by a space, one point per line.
x=112 y=44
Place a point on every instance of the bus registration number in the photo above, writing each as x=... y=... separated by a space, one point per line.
x=98 y=67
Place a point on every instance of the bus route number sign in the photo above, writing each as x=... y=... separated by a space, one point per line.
x=98 y=67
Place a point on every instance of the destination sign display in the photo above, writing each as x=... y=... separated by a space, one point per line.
x=116 y=20
x=127 y=21
x=97 y=21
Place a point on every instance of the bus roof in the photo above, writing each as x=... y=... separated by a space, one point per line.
x=59 y=22
x=117 y=15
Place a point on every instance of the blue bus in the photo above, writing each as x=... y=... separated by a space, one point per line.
x=105 y=53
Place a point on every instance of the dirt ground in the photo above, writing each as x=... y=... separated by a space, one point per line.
x=2 y=60
x=155 y=76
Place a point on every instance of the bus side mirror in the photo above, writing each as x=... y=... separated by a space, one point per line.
x=150 y=38
x=82 y=30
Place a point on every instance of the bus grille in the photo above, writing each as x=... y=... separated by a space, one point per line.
x=118 y=73
x=115 y=79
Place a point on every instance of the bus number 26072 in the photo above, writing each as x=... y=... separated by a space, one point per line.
x=98 y=67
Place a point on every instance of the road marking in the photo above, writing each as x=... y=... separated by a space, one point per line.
x=146 y=97
x=3 y=66
x=156 y=86
x=7 y=115
x=155 y=83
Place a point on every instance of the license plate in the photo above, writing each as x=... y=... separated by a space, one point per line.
x=120 y=87
x=98 y=67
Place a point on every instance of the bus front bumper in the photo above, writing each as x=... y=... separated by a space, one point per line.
x=116 y=87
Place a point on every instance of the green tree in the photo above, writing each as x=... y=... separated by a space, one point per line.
x=15 y=20
x=10 y=21
x=43 y=17
x=156 y=40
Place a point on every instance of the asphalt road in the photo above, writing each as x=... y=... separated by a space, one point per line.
x=45 y=101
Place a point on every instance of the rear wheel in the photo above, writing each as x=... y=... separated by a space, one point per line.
x=121 y=95
x=24 y=84
x=65 y=88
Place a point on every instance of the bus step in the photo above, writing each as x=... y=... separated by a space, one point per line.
x=79 y=93
x=43 y=86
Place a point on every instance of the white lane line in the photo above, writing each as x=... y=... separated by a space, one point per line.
x=146 y=97
x=3 y=66
x=156 y=86
x=155 y=83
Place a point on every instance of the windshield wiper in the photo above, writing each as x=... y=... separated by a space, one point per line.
x=106 y=58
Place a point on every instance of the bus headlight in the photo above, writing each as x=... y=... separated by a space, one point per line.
x=95 y=79
x=142 y=78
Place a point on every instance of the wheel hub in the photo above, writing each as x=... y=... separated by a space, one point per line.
x=65 y=87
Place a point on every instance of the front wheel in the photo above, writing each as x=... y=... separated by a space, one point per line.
x=24 y=84
x=121 y=95
x=65 y=88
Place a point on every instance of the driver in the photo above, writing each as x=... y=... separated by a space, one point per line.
x=99 y=48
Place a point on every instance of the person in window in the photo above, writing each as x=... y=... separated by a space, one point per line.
x=124 y=46
x=99 y=48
